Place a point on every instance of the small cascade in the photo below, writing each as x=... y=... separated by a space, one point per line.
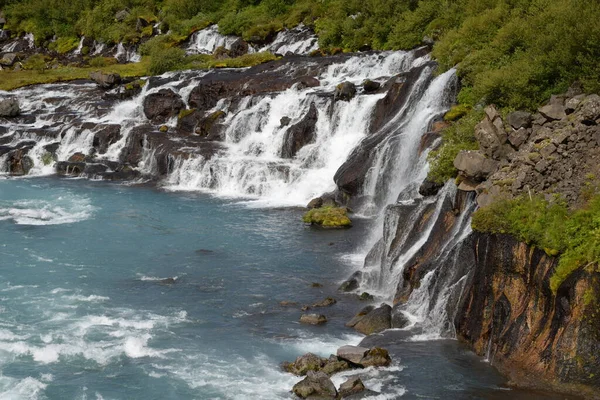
x=300 y=40
x=97 y=48
x=77 y=51
x=207 y=40
x=127 y=55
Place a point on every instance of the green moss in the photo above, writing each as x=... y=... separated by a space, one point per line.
x=163 y=128
x=64 y=45
x=328 y=217
x=47 y=158
x=185 y=113
x=456 y=113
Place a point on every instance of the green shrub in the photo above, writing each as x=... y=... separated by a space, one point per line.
x=167 y=60
x=459 y=136
x=36 y=62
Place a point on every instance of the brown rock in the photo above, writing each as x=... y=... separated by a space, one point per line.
x=352 y=386
x=313 y=319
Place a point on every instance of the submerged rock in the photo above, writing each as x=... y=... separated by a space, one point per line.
x=313 y=319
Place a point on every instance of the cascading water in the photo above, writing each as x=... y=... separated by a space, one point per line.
x=129 y=55
x=207 y=40
x=299 y=40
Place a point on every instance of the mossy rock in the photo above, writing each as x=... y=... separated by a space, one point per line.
x=48 y=158
x=163 y=129
x=185 y=113
x=456 y=113
x=328 y=217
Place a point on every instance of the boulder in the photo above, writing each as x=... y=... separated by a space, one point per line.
x=345 y=91
x=475 y=165
x=19 y=163
x=353 y=385
x=519 y=119
x=491 y=136
x=106 y=136
x=104 y=80
x=353 y=354
x=375 y=321
x=335 y=365
x=430 y=188
x=399 y=320
x=313 y=319
x=303 y=364
x=370 y=86
x=162 y=105
x=554 y=110
x=316 y=384
x=359 y=316
x=518 y=137
x=9 y=108
x=300 y=134
x=351 y=283
x=590 y=109
x=77 y=158
x=210 y=126
x=238 y=48
x=8 y=59
x=376 y=357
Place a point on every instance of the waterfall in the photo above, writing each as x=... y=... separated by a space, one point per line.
x=77 y=51
x=127 y=55
x=299 y=40
x=207 y=40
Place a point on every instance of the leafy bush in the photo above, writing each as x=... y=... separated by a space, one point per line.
x=575 y=235
x=457 y=137
x=167 y=60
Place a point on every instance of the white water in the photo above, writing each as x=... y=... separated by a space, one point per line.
x=127 y=55
x=207 y=40
x=79 y=46
x=299 y=40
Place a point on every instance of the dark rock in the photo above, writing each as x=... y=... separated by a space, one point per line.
x=519 y=119
x=376 y=321
x=210 y=126
x=162 y=105
x=313 y=319
x=304 y=363
x=399 y=320
x=370 y=86
x=238 y=48
x=359 y=316
x=285 y=121
x=352 y=386
x=19 y=163
x=306 y=82
x=104 y=80
x=316 y=384
x=430 y=188
x=167 y=281
x=345 y=91
x=351 y=283
x=300 y=134
x=77 y=158
x=315 y=203
x=9 y=108
x=325 y=303
x=364 y=296
x=106 y=136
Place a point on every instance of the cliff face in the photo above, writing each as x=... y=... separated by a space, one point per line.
x=510 y=315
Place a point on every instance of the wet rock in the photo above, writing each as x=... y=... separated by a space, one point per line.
x=475 y=165
x=370 y=86
x=328 y=217
x=399 y=320
x=19 y=163
x=430 y=188
x=306 y=82
x=519 y=119
x=104 y=80
x=351 y=283
x=162 y=105
x=9 y=108
x=316 y=384
x=167 y=281
x=77 y=158
x=69 y=168
x=359 y=316
x=287 y=303
x=364 y=296
x=210 y=126
x=284 y=121
x=325 y=303
x=238 y=48
x=335 y=365
x=304 y=363
x=352 y=386
x=353 y=354
x=345 y=91
x=313 y=319
x=376 y=321
x=105 y=137
x=300 y=134
x=376 y=357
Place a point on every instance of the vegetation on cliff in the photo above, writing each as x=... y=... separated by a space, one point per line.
x=572 y=234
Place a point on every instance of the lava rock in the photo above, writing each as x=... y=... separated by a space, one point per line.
x=162 y=105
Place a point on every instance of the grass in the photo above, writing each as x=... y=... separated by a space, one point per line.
x=10 y=80
x=550 y=225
